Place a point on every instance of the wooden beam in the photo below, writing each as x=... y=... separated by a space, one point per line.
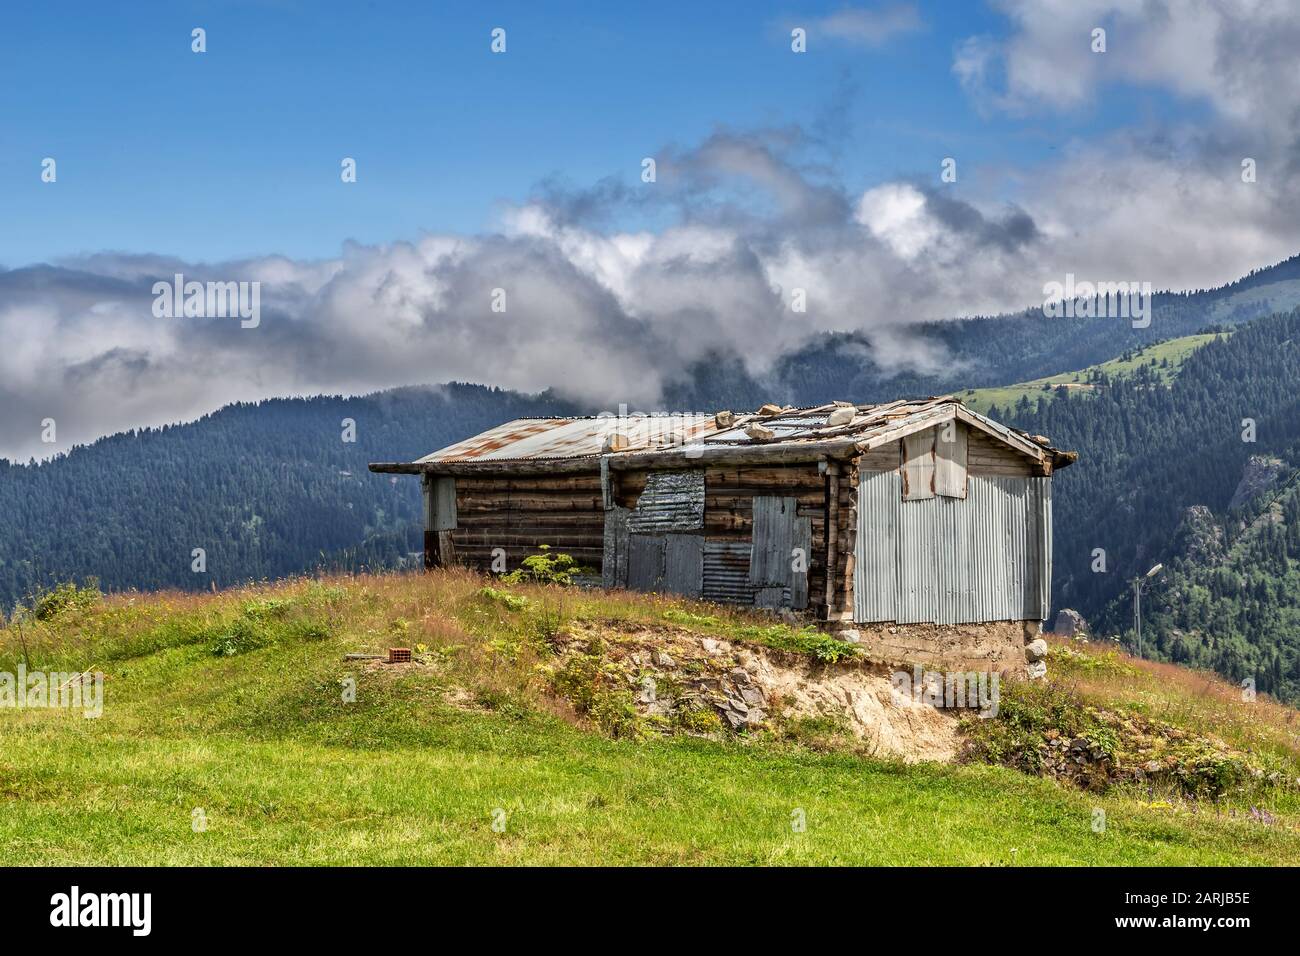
x=832 y=529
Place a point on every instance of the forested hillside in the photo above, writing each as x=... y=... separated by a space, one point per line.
x=265 y=489
x=1160 y=465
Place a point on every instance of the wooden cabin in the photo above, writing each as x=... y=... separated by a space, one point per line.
x=920 y=528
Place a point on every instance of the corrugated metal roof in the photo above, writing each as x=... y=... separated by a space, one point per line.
x=534 y=438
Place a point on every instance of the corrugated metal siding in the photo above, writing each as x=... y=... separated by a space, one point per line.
x=671 y=501
x=726 y=572
x=683 y=564
x=875 y=570
x=1045 y=529
x=773 y=597
x=987 y=558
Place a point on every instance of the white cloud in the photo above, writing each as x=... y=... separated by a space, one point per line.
x=871 y=27
x=1235 y=55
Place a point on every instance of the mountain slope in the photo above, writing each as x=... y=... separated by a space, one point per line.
x=1151 y=451
x=264 y=489
x=1163 y=359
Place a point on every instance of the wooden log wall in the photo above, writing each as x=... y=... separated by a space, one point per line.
x=517 y=514
x=846 y=538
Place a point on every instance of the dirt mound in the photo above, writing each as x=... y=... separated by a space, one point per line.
x=684 y=681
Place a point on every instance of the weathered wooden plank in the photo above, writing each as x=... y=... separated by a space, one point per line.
x=918 y=465
x=615 y=549
x=465 y=504
x=883 y=458
x=528 y=484
x=950 y=449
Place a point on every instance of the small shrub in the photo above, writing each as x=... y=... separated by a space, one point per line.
x=821 y=732
x=615 y=713
x=807 y=640
x=250 y=632
x=308 y=631
x=698 y=720
x=547 y=568
x=782 y=637
x=547 y=626
x=64 y=598
x=579 y=680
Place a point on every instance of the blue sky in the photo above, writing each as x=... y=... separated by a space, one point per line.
x=236 y=152
x=817 y=172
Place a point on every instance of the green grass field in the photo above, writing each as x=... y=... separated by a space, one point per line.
x=1173 y=351
x=473 y=762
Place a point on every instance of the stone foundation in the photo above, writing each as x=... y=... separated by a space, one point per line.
x=986 y=646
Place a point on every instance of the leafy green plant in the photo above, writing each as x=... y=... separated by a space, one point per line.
x=511 y=602
x=698 y=720
x=547 y=568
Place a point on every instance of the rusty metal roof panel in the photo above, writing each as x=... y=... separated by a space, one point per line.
x=545 y=438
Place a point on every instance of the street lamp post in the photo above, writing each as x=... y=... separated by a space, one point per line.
x=1137 y=602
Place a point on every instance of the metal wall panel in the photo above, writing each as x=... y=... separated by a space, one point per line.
x=774 y=537
x=671 y=501
x=1045 y=543
x=773 y=597
x=875 y=568
x=683 y=565
x=919 y=540
x=726 y=572
x=801 y=540
x=666 y=563
x=645 y=562
x=987 y=558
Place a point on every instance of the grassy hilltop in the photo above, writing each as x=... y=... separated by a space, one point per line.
x=230 y=708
